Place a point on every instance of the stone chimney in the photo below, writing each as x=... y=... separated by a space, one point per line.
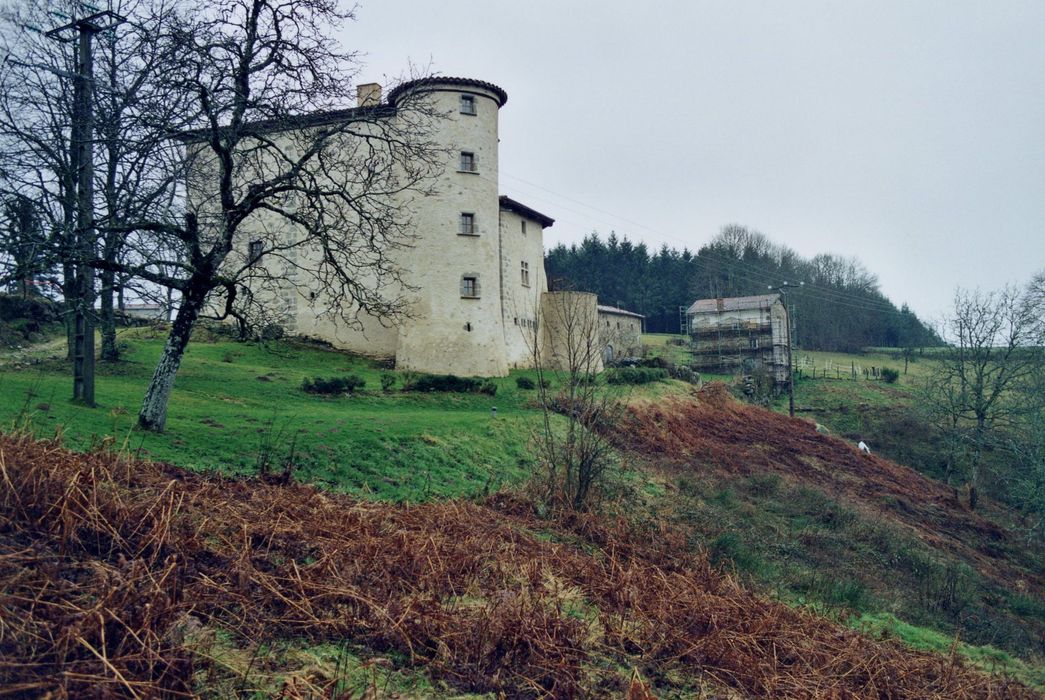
x=368 y=95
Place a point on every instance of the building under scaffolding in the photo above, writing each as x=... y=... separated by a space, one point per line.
x=732 y=335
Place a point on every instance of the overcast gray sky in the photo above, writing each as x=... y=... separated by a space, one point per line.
x=909 y=134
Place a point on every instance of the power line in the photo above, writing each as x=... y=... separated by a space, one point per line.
x=843 y=297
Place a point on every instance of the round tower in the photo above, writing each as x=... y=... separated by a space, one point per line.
x=454 y=265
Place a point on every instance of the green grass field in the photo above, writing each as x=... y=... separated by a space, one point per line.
x=235 y=404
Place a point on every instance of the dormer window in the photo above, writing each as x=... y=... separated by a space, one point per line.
x=468 y=105
x=468 y=163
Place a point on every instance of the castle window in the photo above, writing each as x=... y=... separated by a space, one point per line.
x=468 y=163
x=470 y=286
x=525 y=274
x=254 y=249
x=468 y=104
x=753 y=342
x=523 y=227
x=467 y=225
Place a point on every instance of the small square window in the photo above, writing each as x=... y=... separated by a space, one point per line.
x=254 y=250
x=467 y=225
x=468 y=104
x=470 y=287
x=468 y=162
x=525 y=274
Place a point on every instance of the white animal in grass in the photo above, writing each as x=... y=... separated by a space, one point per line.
x=864 y=448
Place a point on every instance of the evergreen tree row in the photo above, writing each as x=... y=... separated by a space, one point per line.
x=839 y=307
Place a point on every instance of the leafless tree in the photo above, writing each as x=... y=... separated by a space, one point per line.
x=287 y=192
x=35 y=123
x=132 y=151
x=995 y=351
x=575 y=460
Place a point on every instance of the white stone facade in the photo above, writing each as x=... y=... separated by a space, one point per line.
x=473 y=275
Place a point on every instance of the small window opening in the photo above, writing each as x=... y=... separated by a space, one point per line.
x=523 y=227
x=525 y=274
x=468 y=104
x=467 y=224
x=468 y=162
x=254 y=250
x=470 y=287
x=468 y=327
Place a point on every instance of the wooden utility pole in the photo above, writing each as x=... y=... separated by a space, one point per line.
x=81 y=158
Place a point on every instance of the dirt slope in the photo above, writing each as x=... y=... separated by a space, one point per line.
x=110 y=567
x=716 y=433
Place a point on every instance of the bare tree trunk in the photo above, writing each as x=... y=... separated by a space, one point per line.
x=153 y=414
x=110 y=353
x=69 y=308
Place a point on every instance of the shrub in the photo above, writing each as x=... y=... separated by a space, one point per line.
x=685 y=374
x=449 y=383
x=334 y=385
x=889 y=376
x=525 y=383
x=388 y=381
x=636 y=375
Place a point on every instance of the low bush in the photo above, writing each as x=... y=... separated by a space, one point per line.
x=889 y=376
x=449 y=383
x=388 y=382
x=525 y=383
x=636 y=375
x=334 y=385
x=685 y=374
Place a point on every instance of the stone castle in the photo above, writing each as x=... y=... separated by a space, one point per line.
x=478 y=300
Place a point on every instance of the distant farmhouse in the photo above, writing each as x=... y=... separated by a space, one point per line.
x=740 y=334
x=474 y=275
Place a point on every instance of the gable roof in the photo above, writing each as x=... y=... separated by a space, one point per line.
x=620 y=312
x=509 y=204
x=721 y=304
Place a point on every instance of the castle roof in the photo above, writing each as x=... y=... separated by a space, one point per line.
x=708 y=306
x=521 y=209
x=435 y=81
x=620 y=312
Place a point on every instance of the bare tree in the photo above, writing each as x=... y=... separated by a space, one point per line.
x=280 y=179
x=23 y=243
x=131 y=149
x=575 y=459
x=995 y=351
x=36 y=103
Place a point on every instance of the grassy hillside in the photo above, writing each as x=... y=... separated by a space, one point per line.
x=812 y=519
x=811 y=523
x=235 y=404
x=157 y=580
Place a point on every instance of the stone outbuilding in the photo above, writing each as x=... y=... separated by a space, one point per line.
x=620 y=333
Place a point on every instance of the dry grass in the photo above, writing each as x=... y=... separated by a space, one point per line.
x=716 y=433
x=111 y=566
